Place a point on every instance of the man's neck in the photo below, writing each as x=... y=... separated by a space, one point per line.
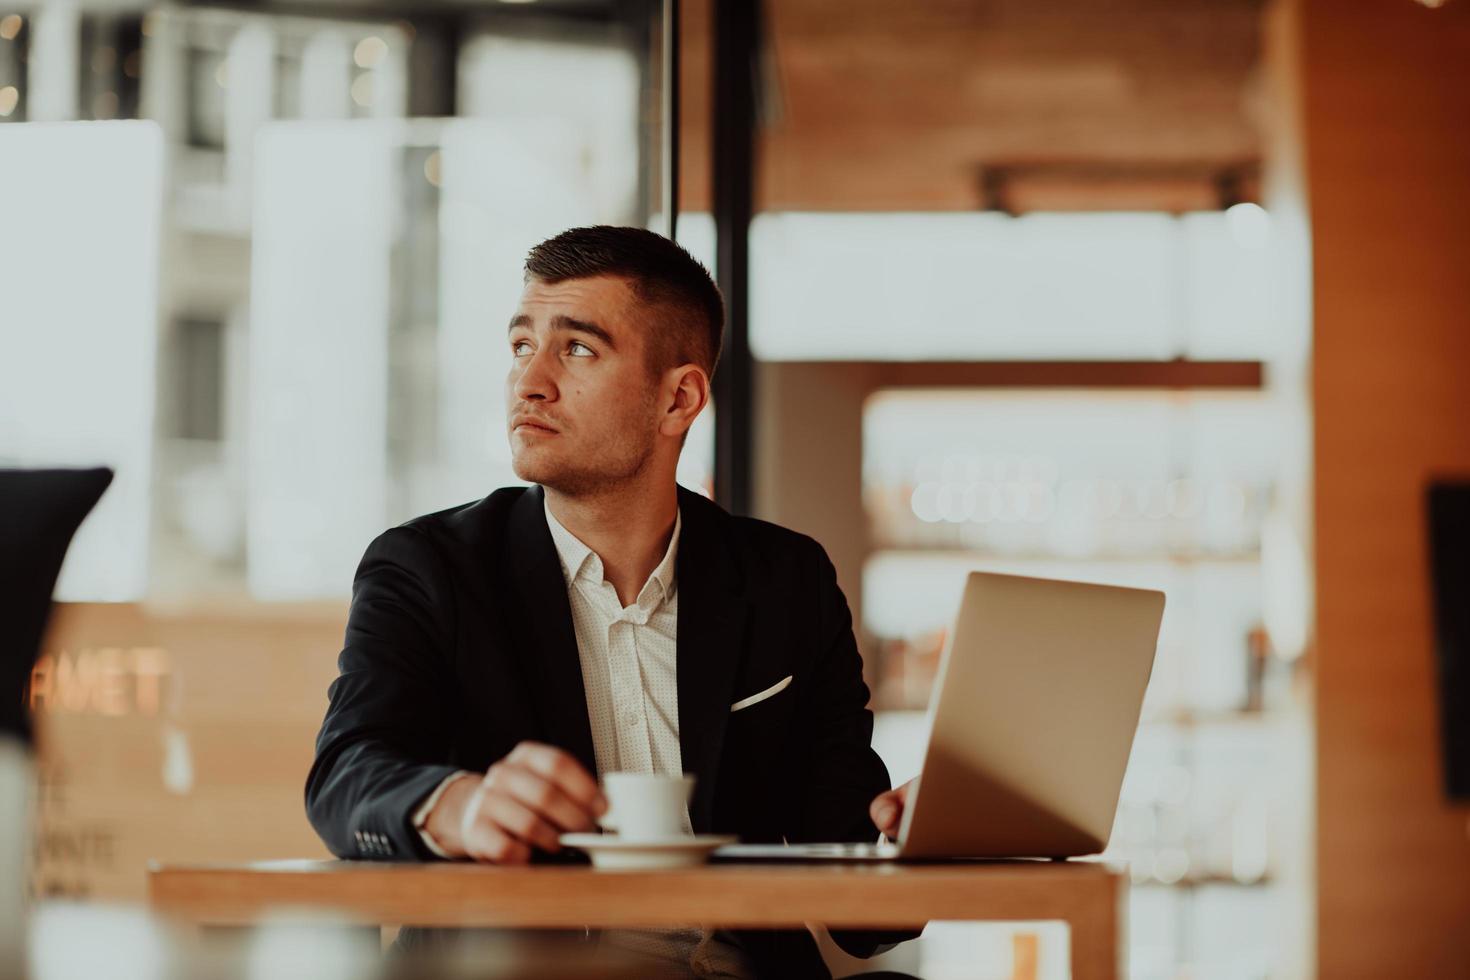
x=629 y=529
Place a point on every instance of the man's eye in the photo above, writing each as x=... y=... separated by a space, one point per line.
x=519 y=348
x=579 y=349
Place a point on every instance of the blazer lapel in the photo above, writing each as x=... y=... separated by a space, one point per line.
x=711 y=644
x=545 y=639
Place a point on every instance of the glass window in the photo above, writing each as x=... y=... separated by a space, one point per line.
x=974 y=287
x=15 y=44
x=79 y=273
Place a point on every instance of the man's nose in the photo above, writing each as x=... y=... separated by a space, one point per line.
x=534 y=381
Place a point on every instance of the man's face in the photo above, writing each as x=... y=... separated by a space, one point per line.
x=580 y=399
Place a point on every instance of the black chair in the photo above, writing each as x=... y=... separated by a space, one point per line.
x=40 y=511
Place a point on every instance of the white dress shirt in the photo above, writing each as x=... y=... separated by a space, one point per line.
x=629 y=658
x=629 y=663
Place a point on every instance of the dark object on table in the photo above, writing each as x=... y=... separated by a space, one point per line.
x=40 y=511
x=1449 y=552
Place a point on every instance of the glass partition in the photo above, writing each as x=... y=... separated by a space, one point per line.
x=79 y=273
x=276 y=305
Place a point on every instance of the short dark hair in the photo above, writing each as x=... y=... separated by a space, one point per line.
x=661 y=273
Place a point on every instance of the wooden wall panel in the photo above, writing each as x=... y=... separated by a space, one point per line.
x=1386 y=89
x=871 y=105
x=696 y=92
x=179 y=735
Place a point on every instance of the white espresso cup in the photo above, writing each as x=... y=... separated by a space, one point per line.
x=646 y=806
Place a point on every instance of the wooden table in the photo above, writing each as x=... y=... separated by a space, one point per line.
x=1088 y=896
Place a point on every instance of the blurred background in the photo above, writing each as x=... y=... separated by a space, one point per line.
x=1155 y=292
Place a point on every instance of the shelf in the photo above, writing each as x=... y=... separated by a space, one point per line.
x=1173 y=374
x=917 y=552
x=1198 y=719
x=1205 y=881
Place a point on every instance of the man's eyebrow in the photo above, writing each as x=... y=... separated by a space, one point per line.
x=564 y=322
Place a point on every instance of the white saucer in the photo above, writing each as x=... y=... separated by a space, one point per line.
x=611 y=852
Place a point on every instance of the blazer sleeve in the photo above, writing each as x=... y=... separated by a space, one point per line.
x=843 y=773
x=385 y=742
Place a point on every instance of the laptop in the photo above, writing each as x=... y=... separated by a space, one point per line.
x=1031 y=721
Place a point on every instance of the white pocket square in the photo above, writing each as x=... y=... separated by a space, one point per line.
x=769 y=692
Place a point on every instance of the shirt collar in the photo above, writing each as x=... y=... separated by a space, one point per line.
x=664 y=573
x=570 y=550
x=576 y=558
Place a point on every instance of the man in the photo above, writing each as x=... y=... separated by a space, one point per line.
x=501 y=656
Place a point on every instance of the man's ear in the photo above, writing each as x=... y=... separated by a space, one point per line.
x=689 y=387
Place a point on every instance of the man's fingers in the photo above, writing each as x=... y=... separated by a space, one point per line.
x=525 y=801
x=882 y=808
x=541 y=795
x=483 y=841
x=885 y=814
x=887 y=809
x=562 y=769
x=520 y=821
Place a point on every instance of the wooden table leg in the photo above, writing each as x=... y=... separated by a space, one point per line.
x=1096 y=940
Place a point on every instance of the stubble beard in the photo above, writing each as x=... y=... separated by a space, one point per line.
x=626 y=455
x=608 y=477
x=619 y=466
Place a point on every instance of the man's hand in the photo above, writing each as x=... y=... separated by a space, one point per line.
x=528 y=799
x=887 y=809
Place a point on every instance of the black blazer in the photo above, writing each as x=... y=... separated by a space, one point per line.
x=460 y=644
